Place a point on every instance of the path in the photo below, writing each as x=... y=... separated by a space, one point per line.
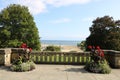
x=57 y=72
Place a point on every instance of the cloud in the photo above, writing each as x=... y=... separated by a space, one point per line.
x=58 y=3
x=34 y=6
x=62 y=20
x=39 y=6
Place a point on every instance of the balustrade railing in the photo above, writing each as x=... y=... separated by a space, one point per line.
x=60 y=57
x=9 y=55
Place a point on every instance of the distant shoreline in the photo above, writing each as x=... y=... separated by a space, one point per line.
x=60 y=42
x=64 y=48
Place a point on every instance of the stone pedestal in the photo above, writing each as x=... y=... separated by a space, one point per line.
x=5 y=57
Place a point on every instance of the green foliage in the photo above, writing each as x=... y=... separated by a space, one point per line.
x=15 y=68
x=101 y=67
x=72 y=51
x=82 y=45
x=52 y=48
x=105 y=68
x=22 y=63
x=14 y=43
x=18 y=61
x=17 y=26
x=32 y=65
x=25 y=66
x=105 y=32
x=98 y=63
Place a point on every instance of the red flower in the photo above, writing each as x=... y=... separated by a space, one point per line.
x=90 y=47
x=24 y=45
x=102 y=55
x=30 y=49
x=100 y=52
x=97 y=47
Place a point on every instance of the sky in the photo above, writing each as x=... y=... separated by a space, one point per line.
x=66 y=19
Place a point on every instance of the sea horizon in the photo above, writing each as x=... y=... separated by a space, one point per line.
x=61 y=42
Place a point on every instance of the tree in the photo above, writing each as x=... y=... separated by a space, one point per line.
x=105 y=32
x=17 y=26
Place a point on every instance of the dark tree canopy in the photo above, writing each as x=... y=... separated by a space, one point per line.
x=17 y=26
x=105 y=32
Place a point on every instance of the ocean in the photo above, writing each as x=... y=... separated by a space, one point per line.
x=60 y=42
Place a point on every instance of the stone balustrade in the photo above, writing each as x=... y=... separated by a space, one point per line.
x=7 y=55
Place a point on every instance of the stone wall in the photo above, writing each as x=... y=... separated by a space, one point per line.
x=8 y=55
x=113 y=57
x=15 y=53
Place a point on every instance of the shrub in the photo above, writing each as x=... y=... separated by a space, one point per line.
x=105 y=68
x=82 y=45
x=98 y=68
x=32 y=65
x=98 y=64
x=25 y=66
x=23 y=63
x=18 y=61
x=15 y=67
x=52 y=48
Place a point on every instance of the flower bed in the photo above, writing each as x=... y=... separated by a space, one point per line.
x=98 y=63
x=23 y=63
x=22 y=67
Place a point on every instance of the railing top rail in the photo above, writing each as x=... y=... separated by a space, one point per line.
x=55 y=52
x=112 y=51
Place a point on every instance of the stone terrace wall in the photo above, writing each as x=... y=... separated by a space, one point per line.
x=113 y=57
x=8 y=55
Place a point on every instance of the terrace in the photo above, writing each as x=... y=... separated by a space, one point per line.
x=57 y=72
x=58 y=66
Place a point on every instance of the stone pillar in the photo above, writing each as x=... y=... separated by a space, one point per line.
x=5 y=57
